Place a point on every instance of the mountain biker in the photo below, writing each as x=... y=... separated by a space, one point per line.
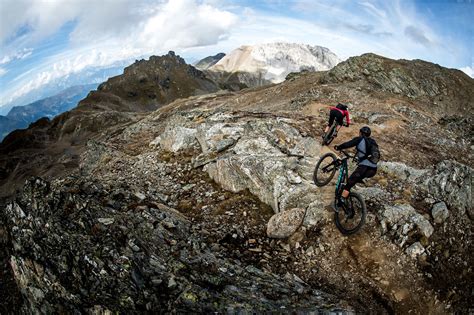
x=365 y=167
x=338 y=113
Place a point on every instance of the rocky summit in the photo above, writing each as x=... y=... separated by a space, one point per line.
x=208 y=62
x=204 y=202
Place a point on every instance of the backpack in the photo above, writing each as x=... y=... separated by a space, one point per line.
x=341 y=106
x=373 y=151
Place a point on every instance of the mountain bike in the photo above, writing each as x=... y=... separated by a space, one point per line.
x=349 y=213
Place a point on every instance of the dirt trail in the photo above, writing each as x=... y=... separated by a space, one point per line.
x=392 y=273
x=368 y=264
x=366 y=267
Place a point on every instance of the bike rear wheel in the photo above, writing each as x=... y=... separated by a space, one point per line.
x=325 y=169
x=330 y=135
x=350 y=217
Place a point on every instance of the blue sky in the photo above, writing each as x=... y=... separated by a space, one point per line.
x=43 y=41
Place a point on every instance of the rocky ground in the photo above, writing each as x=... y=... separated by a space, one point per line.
x=173 y=211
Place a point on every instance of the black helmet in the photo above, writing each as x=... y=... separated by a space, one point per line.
x=365 y=131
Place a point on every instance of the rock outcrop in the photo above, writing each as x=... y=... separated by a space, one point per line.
x=80 y=247
x=261 y=155
x=413 y=79
x=453 y=183
x=208 y=62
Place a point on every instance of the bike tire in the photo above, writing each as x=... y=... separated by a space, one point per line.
x=330 y=135
x=360 y=214
x=330 y=159
x=329 y=140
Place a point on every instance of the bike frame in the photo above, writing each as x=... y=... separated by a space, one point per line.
x=346 y=206
x=343 y=175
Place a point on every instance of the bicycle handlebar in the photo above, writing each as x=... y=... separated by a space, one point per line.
x=347 y=154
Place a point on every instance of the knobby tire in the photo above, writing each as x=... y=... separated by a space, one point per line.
x=331 y=167
x=360 y=211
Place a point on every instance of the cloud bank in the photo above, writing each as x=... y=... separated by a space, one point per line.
x=104 y=32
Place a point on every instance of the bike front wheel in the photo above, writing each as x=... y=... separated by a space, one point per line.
x=350 y=217
x=325 y=169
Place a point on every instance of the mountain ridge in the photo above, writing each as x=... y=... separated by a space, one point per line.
x=84 y=77
x=19 y=117
x=147 y=84
x=144 y=86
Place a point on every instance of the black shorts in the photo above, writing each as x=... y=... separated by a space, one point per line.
x=359 y=174
x=337 y=115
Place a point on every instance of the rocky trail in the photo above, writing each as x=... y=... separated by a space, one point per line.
x=363 y=257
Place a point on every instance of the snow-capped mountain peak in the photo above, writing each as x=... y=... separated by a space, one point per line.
x=276 y=60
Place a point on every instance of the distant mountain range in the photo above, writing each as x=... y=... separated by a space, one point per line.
x=269 y=63
x=246 y=66
x=84 y=77
x=20 y=117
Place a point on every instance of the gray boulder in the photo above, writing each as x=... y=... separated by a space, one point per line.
x=176 y=139
x=404 y=219
x=415 y=250
x=440 y=212
x=402 y=171
x=452 y=182
x=284 y=224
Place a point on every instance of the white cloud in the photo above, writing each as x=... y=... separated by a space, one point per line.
x=112 y=18
x=32 y=20
x=182 y=24
x=18 y=55
x=2 y=71
x=374 y=10
x=468 y=70
x=65 y=64
x=105 y=19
